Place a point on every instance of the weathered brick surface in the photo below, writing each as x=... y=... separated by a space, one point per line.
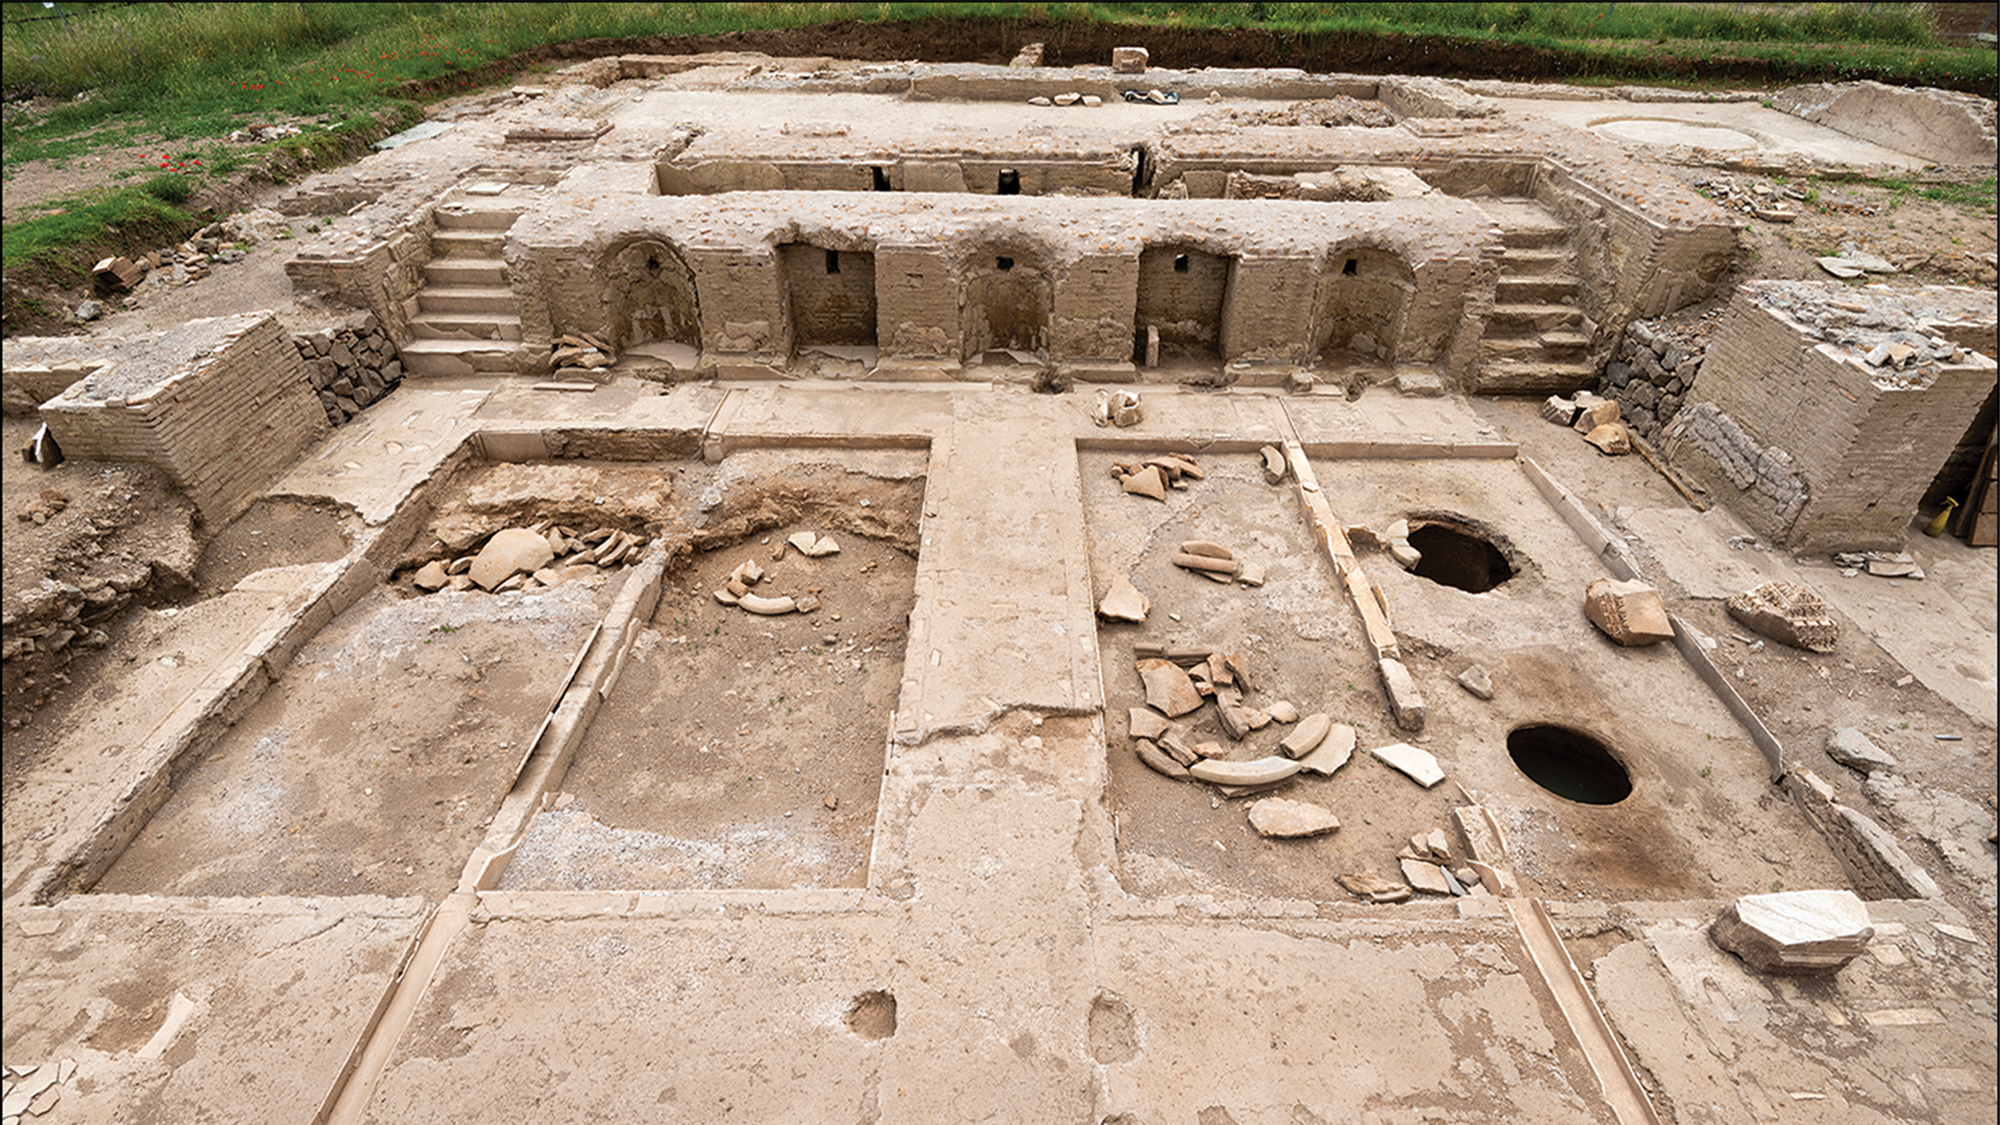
x=222 y=420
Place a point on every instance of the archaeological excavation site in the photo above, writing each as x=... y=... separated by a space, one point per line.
x=722 y=587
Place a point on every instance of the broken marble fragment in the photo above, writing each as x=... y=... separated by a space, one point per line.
x=1158 y=760
x=1263 y=771
x=1851 y=748
x=1124 y=602
x=1477 y=681
x=1417 y=764
x=1306 y=737
x=1274 y=464
x=1374 y=888
x=1149 y=481
x=1282 y=711
x=1286 y=819
x=1334 y=751
x=769 y=607
x=1425 y=876
x=511 y=551
x=1144 y=722
x=1168 y=688
x=1806 y=933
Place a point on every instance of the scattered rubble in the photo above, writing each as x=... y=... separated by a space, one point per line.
x=1153 y=476
x=1800 y=933
x=1629 y=612
x=1881 y=564
x=1787 y=613
x=515 y=558
x=1118 y=408
x=580 y=354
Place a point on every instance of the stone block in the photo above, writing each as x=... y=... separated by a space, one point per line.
x=1788 y=613
x=1404 y=699
x=1129 y=60
x=1850 y=747
x=1803 y=933
x=1629 y=612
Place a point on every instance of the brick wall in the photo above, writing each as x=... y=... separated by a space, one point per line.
x=222 y=425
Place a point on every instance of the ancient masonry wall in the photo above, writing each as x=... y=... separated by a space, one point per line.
x=1630 y=264
x=1060 y=276
x=1650 y=376
x=351 y=366
x=222 y=425
x=1837 y=457
x=382 y=275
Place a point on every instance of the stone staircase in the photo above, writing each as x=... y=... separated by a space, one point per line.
x=1535 y=340
x=467 y=320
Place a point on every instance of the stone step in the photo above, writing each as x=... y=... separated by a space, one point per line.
x=468 y=243
x=460 y=215
x=1523 y=222
x=1564 y=341
x=1529 y=261
x=466 y=326
x=465 y=357
x=1508 y=319
x=1535 y=288
x=1533 y=235
x=489 y=273
x=1535 y=377
x=466 y=299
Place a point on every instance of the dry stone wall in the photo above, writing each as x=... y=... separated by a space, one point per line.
x=349 y=367
x=1651 y=373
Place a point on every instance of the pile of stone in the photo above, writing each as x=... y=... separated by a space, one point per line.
x=32 y=1090
x=1155 y=475
x=351 y=366
x=1881 y=564
x=1653 y=370
x=219 y=243
x=1394 y=539
x=1599 y=420
x=1427 y=864
x=580 y=354
x=1181 y=681
x=736 y=590
x=1088 y=101
x=1118 y=408
x=529 y=558
x=1774 y=203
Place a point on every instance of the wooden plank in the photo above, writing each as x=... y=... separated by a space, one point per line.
x=1976 y=520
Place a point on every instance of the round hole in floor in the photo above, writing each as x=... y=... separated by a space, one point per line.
x=1569 y=763
x=1459 y=557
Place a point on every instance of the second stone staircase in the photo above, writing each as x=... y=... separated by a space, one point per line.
x=467 y=320
x=1535 y=340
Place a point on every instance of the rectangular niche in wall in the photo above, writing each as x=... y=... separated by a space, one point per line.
x=832 y=294
x=1182 y=292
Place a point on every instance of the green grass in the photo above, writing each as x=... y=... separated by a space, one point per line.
x=173 y=80
x=51 y=238
x=1982 y=197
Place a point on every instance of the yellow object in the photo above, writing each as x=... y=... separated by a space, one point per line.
x=1935 y=528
